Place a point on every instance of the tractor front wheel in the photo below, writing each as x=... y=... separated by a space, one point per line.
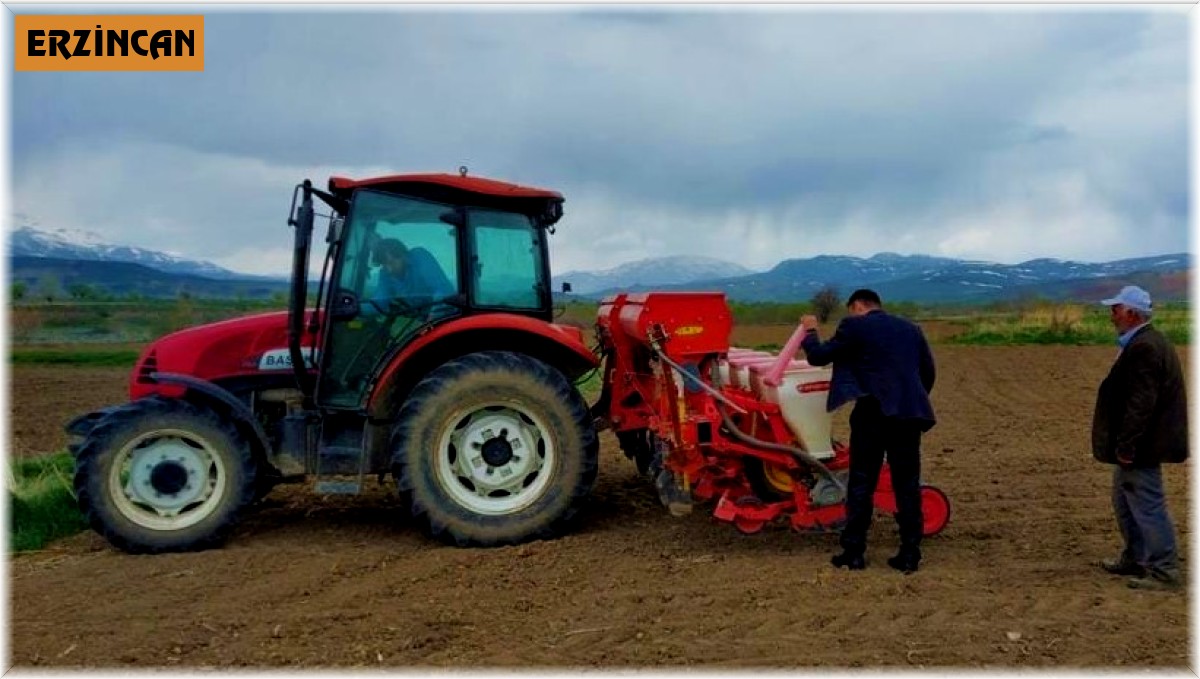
x=494 y=448
x=163 y=475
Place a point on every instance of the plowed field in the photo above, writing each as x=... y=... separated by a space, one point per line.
x=312 y=582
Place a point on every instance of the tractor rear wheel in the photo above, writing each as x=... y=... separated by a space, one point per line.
x=163 y=475
x=494 y=448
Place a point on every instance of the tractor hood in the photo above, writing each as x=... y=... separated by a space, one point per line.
x=250 y=345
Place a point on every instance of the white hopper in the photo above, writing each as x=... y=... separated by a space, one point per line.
x=801 y=396
x=758 y=371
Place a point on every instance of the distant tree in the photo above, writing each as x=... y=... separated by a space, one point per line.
x=49 y=288
x=83 y=292
x=824 y=302
x=18 y=290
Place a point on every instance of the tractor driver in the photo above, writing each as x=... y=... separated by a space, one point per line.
x=408 y=275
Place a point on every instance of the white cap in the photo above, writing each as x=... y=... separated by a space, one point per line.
x=1131 y=296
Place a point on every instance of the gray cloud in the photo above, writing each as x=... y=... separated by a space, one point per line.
x=746 y=134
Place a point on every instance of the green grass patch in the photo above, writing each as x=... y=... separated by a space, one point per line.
x=82 y=356
x=590 y=384
x=42 y=502
x=1064 y=324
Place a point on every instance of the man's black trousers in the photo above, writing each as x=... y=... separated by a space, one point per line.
x=872 y=437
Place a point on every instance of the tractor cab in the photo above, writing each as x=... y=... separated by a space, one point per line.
x=409 y=252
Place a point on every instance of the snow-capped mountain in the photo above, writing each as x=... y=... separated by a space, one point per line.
x=73 y=256
x=58 y=243
x=679 y=270
x=917 y=278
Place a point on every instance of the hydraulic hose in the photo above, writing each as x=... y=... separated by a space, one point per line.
x=799 y=453
x=745 y=438
x=696 y=380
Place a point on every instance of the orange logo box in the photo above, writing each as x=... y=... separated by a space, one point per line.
x=109 y=42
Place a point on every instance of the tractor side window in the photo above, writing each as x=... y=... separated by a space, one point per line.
x=508 y=263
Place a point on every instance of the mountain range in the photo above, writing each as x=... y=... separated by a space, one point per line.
x=657 y=271
x=71 y=257
x=66 y=244
x=922 y=278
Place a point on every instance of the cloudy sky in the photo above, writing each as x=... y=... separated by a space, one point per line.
x=751 y=135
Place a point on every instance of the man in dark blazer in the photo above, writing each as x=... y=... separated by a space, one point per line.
x=883 y=363
x=1140 y=422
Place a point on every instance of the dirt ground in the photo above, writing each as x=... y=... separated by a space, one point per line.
x=341 y=582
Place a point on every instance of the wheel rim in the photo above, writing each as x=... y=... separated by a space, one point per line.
x=167 y=480
x=496 y=459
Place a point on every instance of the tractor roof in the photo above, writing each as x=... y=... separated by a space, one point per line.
x=543 y=204
x=403 y=183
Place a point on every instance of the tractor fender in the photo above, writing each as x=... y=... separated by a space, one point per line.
x=81 y=426
x=238 y=410
x=559 y=346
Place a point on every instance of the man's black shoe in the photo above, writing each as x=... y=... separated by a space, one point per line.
x=1119 y=566
x=854 y=562
x=905 y=563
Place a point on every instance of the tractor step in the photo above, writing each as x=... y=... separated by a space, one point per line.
x=339 y=461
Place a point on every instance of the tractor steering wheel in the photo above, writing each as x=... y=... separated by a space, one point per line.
x=415 y=309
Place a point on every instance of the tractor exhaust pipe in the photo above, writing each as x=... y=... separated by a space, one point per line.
x=302 y=220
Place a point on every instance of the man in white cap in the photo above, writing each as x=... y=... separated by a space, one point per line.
x=1140 y=423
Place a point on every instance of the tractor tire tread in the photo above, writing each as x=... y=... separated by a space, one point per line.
x=430 y=518
x=87 y=465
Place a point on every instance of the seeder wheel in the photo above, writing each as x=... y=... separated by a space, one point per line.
x=745 y=524
x=935 y=508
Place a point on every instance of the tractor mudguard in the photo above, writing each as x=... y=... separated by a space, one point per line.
x=485 y=332
x=82 y=426
x=237 y=409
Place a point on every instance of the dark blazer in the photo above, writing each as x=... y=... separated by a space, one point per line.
x=880 y=355
x=1141 y=408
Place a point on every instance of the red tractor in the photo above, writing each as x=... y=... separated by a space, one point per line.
x=431 y=354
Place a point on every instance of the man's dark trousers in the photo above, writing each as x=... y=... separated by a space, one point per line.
x=872 y=436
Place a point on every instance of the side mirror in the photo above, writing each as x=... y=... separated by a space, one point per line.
x=566 y=287
x=345 y=306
